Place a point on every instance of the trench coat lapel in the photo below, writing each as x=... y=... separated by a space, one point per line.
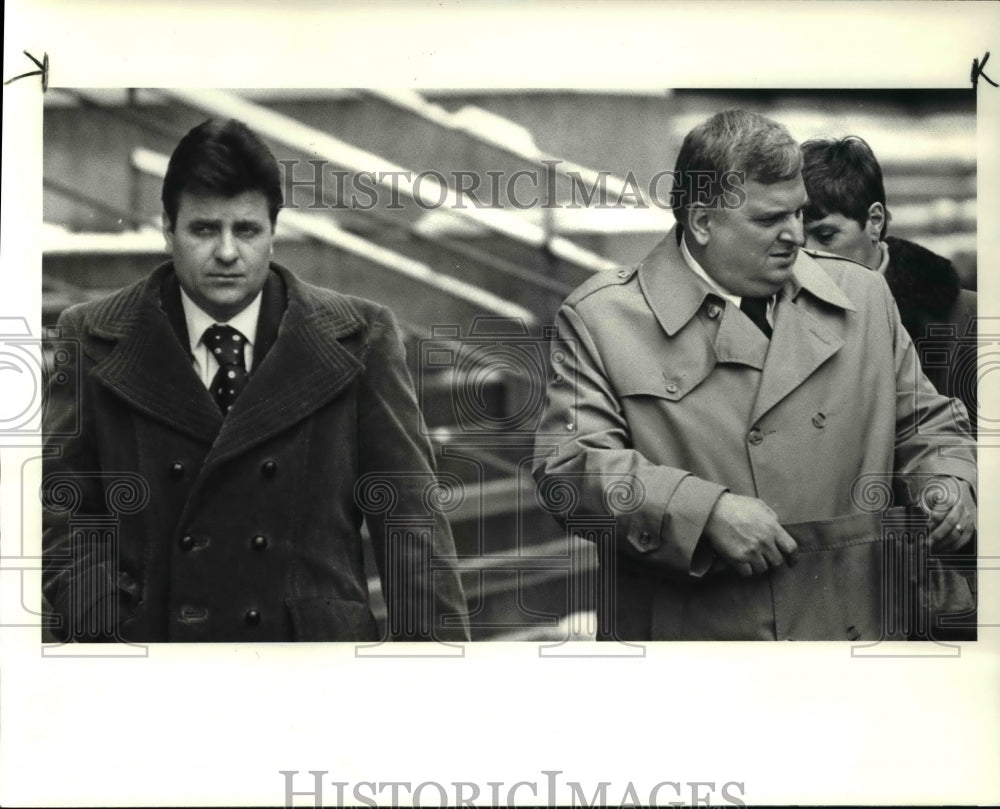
x=804 y=337
x=675 y=294
x=148 y=367
x=807 y=322
x=304 y=369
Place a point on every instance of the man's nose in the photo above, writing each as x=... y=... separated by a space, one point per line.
x=225 y=248
x=793 y=231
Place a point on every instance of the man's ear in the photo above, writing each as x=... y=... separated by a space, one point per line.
x=700 y=223
x=876 y=221
x=168 y=231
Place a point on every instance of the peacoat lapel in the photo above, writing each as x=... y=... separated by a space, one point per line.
x=305 y=368
x=804 y=337
x=147 y=366
x=140 y=357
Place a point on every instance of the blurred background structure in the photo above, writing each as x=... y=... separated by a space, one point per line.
x=472 y=215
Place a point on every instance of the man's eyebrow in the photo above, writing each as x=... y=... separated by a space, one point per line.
x=202 y=221
x=773 y=213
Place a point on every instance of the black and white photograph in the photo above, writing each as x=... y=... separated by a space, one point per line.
x=470 y=407
x=438 y=405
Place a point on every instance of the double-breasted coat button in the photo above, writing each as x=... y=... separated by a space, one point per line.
x=269 y=468
x=714 y=311
x=186 y=542
x=176 y=470
x=755 y=436
x=252 y=617
x=819 y=420
x=259 y=542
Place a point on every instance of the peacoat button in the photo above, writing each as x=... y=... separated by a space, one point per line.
x=714 y=311
x=252 y=617
x=755 y=436
x=259 y=542
x=176 y=470
x=186 y=542
x=819 y=420
x=269 y=469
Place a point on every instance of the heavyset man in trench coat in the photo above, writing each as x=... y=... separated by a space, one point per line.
x=242 y=525
x=740 y=469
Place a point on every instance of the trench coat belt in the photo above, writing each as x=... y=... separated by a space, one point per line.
x=850 y=577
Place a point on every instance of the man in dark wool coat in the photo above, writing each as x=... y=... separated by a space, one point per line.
x=241 y=426
x=847 y=215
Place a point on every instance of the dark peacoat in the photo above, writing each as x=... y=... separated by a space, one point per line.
x=166 y=522
x=665 y=396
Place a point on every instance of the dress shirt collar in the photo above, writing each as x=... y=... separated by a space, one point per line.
x=698 y=270
x=198 y=320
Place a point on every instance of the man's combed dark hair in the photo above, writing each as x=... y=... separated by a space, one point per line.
x=221 y=158
x=731 y=141
x=841 y=176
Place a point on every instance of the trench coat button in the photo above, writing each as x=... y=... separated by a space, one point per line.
x=819 y=420
x=259 y=542
x=714 y=311
x=176 y=470
x=672 y=388
x=755 y=436
x=852 y=633
x=187 y=542
x=252 y=617
x=269 y=469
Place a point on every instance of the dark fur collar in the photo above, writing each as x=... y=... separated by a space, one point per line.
x=922 y=282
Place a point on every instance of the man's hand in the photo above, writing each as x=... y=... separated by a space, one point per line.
x=745 y=533
x=951 y=511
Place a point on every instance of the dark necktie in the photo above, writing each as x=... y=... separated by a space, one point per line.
x=226 y=345
x=756 y=310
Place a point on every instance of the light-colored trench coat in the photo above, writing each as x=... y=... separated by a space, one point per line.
x=663 y=396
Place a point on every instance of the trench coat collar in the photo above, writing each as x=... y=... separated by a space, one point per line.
x=675 y=293
x=150 y=367
x=802 y=341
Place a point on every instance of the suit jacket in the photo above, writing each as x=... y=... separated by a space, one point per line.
x=666 y=396
x=166 y=522
x=940 y=317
